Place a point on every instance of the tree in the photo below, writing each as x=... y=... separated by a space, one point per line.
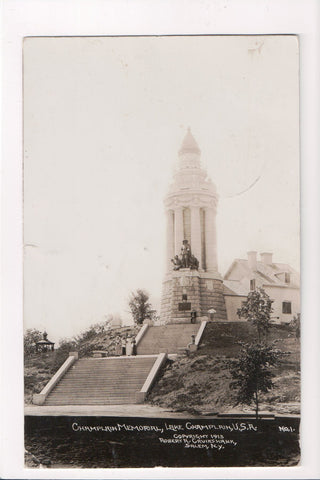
x=296 y=326
x=30 y=338
x=139 y=306
x=252 y=372
x=257 y=310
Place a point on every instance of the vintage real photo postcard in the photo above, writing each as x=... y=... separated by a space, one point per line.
x=161 y=251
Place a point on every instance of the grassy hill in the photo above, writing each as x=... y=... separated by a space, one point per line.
x=199 y=382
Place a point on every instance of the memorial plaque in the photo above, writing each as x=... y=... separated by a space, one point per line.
x=183 y=306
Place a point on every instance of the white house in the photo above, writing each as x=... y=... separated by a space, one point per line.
x=280 y=281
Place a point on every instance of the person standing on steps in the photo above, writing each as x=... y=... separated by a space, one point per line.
x=193 y=316
x=192 y=343
x=124 y=346
x=133 y=347
x=117 y=350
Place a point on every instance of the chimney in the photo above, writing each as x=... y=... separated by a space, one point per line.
x=266 y=258
x=252 y=260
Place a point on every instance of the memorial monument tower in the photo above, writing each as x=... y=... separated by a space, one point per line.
x=192 y=282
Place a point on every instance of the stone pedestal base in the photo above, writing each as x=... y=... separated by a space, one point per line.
x=186 y=290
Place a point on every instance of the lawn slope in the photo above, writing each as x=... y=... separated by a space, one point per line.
x=199 y=382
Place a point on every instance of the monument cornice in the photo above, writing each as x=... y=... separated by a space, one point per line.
x=191 y=199
x=193 y=273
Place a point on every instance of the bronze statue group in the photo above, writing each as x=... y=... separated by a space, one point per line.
x=186 y=259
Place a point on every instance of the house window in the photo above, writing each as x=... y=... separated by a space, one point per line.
x=252 y=284
x=184 y=296
x=287 y=277
x=286 y=307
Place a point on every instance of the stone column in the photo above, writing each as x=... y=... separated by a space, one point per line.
x=178 y=229
x=196 y=233
x=170 y=239
x=211 y=240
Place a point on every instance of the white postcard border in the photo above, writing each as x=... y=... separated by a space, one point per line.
x=119 y=17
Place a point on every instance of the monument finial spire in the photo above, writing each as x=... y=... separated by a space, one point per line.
x=189 y=145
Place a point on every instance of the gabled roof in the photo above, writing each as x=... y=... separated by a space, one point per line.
x=266 y=274
x=234 y=287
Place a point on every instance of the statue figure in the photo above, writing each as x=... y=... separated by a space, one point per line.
x=194 y=263
x=185 y=254
x=177 y=264
x=186 y=258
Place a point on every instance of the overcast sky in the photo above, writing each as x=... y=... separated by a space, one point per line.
x=104 y=118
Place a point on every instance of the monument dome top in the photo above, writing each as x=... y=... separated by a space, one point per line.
x=189 y=145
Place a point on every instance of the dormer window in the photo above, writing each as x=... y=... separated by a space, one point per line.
x=253 y=284
x=287 y=277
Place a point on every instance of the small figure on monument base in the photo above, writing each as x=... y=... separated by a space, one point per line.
x=177 y=264
x=194 y=263
x=193 y=316
x=186 y=259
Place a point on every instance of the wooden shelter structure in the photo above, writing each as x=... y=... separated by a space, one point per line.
x=44 y=345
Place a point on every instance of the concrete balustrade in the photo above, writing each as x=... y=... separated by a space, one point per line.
x=141 y=333
x=40 y=398
x=140 y=396
x=200 y=332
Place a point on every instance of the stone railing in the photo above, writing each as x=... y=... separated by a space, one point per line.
x=200 y=332
x=40 y=398
x=140 y=396
x=141 y=333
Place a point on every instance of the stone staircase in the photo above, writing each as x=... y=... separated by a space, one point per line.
x=102 y=381
x=167 y=338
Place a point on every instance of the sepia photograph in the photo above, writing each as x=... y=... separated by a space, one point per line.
x=161 y=251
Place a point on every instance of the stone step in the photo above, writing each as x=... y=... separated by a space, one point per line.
x=102 y=388
x=116 y=401
x=110 y=387
x=112 y=400
x=109 y=372
x=169 y=338
x=106 y=375
x=96 y=396
x=102 y=381
x=104 y=401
